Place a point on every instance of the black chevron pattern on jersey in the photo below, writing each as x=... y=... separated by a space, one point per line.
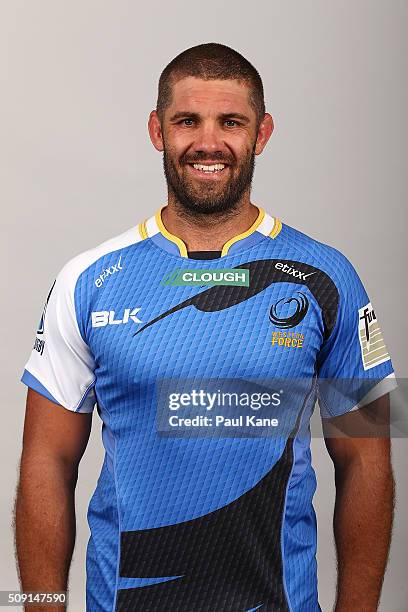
x=262 y=273
x=224 y=559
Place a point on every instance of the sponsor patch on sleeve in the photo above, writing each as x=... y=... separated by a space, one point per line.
x=373 y=349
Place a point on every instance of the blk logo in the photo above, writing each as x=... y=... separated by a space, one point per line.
x=103 y=318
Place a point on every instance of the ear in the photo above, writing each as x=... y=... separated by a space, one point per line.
x=155 y=131
x=264 y=133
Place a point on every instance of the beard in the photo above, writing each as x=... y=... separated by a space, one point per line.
x=209 y=197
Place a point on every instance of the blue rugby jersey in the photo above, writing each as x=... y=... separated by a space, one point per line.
x=195 y=521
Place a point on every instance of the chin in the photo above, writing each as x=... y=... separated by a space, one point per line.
x=207 y=208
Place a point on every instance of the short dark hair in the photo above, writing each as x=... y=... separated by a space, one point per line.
x=210 y=61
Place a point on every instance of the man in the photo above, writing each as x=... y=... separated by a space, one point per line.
x=211 y=288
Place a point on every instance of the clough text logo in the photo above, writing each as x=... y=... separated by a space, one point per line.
x=226 y=276
x=108 y=317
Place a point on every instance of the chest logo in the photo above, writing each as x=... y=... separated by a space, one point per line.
x=227 y=276
x=103 y=318
x=281 y=314
x=292 y=271
x=106 y=272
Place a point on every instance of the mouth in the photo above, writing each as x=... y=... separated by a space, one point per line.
x=208 y=170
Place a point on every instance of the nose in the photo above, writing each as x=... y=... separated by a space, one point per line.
x=208 y=139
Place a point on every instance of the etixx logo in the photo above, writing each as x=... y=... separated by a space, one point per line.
x=293 y=271
x=106 y=272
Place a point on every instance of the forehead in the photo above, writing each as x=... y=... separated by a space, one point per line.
x=198 y=95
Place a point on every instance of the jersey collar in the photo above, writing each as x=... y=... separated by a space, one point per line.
x=264 y=225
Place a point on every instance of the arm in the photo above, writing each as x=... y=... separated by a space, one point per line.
x=364 y=505
x=54 y=441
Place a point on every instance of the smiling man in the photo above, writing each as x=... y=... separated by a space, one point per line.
x=247 y=322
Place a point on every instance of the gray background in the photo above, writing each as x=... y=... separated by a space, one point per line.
x=78 y=80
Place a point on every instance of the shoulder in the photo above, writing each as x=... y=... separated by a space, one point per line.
x=100 y=254
x=325 y=257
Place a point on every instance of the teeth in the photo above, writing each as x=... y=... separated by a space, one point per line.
x=212 y=168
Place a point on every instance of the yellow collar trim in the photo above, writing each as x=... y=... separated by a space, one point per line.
x=143 y=230
x=249 y=231
x=182 y=246
x=277 y=226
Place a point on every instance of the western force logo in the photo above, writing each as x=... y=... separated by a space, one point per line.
x=109 y=272
x=103 y=318
x=227 y=276
x=285 y=306
x=373 y=349
x=287 y=339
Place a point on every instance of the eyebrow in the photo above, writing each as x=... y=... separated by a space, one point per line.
x=185 y=114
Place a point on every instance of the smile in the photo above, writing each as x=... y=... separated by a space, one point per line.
x=209 y=169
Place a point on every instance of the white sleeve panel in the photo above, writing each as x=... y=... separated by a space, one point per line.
x=60 y=360
x=61 y=365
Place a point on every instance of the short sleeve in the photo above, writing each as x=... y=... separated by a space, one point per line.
x=61 y=366
x=353 y=366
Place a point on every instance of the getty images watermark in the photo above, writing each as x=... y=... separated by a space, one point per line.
x=34 y=598
x=222 y=401
x=198 y=407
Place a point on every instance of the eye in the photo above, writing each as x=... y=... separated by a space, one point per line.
x=229 y=121
x=187 y=122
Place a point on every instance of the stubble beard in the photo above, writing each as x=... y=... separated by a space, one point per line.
x=209 y=199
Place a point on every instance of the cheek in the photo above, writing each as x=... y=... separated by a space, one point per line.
x=240 y=145
x=177 y=143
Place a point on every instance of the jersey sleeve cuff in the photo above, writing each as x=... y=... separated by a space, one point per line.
x=32 y=382
x=86 y=404
x=386 y=385
x=340 y=399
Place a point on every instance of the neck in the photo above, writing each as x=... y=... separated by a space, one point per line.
x=208 y=232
